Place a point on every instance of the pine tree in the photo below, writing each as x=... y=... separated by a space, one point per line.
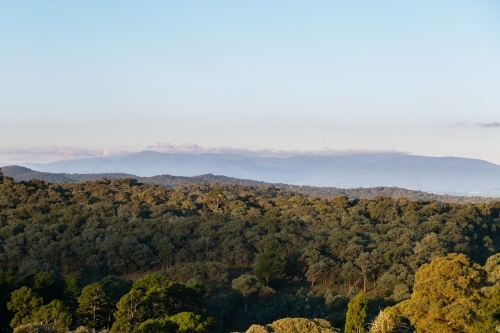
x=1 y=176
x=356 y=314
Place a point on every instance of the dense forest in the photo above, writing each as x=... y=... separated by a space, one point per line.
x=132 y=257
x=24 y=174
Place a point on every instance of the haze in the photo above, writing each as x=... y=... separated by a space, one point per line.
x=420 y=77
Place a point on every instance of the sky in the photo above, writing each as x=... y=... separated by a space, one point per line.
x=97 y=78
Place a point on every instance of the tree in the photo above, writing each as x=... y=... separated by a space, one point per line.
x=131 y=312
x=56 y=314
x=162 y=325
x=154 y=297
x=316 y=270
x=24 y=303
x=246 y=285
x=71 y=291
x=445 y=295
x=492 y=268
x=364 y=262
x=270 y=265
x=35 y=328
x=214 y=198
x=488 y=311
x=189 y=322
x=94 y=307
x=295 y=325
x=48 y=287
x=356 y=314
x=387 y=321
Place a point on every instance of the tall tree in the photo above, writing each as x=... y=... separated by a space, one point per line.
x=94 y=307
x=246 y=285
x=271 y=264
x=356 y=314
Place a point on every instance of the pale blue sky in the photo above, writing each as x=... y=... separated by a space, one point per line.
x=415 y=76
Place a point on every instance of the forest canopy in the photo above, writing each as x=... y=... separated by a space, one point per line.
x=259 y=254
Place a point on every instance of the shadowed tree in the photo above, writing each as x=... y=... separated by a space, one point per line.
x=94 y=307
x=270 y=265
x=246 y=285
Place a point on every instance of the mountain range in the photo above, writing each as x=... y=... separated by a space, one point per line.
x=20 y=173
x=450 y=175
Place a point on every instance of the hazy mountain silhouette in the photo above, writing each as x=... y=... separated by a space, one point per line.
x=435 y=174
x=25 y=174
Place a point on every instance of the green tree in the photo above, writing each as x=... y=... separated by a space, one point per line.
x=46 y=286
x=214 y=198
x=270 y=265
x=115 y=287
x=488 y=311
x=295 y=325
x=71 y=291
x=356 y=314
x=154 y=297
x=189 y=322
x=247 y=285
x=94 y=307
x=492 y=268
x=162 y=325
x=56 y=314
x=445 y=295
x=131 y=311
x=364 y=262
x=23 y=303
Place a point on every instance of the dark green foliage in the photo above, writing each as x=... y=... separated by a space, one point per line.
x=24 y=303
x=212 y=275
x=163 y=325
x=336 y=246
x=246 y=285
x=153 y=298
x=94 y=307
x=115 y=288
x=270 y=265
x=302 y=304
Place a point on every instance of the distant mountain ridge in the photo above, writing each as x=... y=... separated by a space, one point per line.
x=450 y=175
x=20 y=173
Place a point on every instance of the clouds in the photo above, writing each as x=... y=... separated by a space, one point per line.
x=492 y=124
x=484 y=125
x=161 y=145
x=55 y=153
x=193 y=148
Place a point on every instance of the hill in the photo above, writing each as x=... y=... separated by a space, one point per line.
x=451 y=175
x=25 y=174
